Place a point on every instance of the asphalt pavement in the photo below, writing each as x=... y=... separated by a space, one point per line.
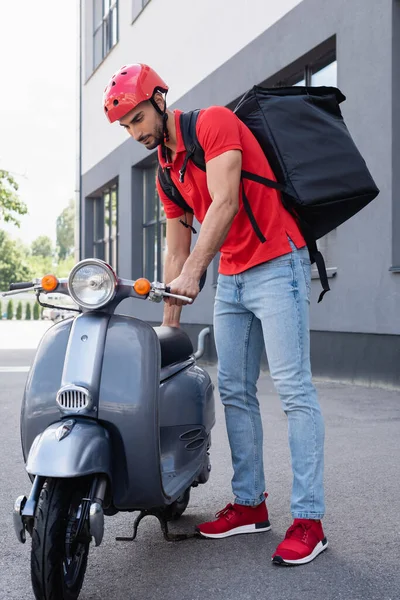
x=362 y=521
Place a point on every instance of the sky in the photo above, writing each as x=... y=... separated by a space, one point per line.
x=39 y=108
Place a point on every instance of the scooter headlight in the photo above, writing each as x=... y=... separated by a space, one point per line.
x=92 y=283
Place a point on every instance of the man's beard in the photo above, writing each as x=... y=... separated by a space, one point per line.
x=158 y=136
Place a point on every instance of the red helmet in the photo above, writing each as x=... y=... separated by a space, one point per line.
x=128 y=87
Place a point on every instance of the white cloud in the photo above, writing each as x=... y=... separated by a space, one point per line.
x=38 y=106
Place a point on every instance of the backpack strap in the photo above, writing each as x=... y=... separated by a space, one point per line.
x=194 y=151
x=263 y=180
x=315 y=254
x=173 y=194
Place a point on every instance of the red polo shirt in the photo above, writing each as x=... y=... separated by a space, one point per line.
x=219 y=130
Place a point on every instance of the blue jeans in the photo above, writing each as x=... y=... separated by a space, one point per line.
x=269 y=304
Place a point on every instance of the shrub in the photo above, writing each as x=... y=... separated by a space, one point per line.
x=10 y=310
x=36 y=311
x=19 y=311
x=28 y=312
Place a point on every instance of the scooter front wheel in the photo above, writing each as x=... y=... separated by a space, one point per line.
x=60 y=540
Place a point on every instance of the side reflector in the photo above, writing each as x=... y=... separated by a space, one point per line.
x=49 y=283
x=142 y=286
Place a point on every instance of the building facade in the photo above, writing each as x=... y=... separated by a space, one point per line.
x=211 y=53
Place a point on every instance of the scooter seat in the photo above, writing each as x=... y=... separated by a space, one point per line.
x=175 y=345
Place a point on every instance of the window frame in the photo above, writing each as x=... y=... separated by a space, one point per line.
x=110 y=15
x=106 y=239
x=156 y=225
x=305 y=73
x=138 y=7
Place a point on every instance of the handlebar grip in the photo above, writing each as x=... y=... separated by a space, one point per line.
x=201 y=282
x=21 y=285
x=167 y=292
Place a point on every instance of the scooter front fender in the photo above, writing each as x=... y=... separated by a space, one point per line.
x=71 y=448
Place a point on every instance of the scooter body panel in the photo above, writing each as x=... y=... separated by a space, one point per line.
x=187 y=415
x=39 y=408
x=128 y=408
x=71 y=448
x=70 y=352
x=161 y=430
x=159 y=433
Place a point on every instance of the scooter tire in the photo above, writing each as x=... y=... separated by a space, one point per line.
x=174 y=511
x=52 y=524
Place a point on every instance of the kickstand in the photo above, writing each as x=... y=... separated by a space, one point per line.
x=170 y=537
x=141 y=515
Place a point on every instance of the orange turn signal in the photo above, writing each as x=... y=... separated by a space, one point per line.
x=142 y=286
x=49 y=283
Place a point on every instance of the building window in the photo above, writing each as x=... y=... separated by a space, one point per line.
x=137 y=7
x=316 y=76
x=105 y=226
x=154 y=228
x=105 y=28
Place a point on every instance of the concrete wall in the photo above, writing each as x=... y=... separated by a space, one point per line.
x=365 y=294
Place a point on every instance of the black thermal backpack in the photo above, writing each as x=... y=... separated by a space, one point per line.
x=320 y=173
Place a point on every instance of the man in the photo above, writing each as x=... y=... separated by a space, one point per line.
x=262 y=299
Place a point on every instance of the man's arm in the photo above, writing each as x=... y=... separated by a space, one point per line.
x=178 y=250
x=223 y=180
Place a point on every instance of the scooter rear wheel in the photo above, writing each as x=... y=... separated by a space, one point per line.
x=60 y=540
x=174 y=511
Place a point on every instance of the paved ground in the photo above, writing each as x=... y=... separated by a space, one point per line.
x=16 y=335
x=362 y=522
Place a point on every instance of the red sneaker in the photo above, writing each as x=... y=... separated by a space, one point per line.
x=304 y=540
x=235 y=519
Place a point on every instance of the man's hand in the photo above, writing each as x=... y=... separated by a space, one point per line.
x=184 y=285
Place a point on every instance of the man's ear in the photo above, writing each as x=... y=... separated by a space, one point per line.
x=159 y=100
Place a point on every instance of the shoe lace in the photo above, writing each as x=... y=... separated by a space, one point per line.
x=298 y=531
x=226 y=512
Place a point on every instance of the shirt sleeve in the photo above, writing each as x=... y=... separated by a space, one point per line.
x=218 y=131
x=172 y=210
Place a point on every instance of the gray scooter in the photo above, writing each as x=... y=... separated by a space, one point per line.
x=116 y=416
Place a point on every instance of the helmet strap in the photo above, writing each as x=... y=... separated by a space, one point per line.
x=163 y=113
x=158 y=109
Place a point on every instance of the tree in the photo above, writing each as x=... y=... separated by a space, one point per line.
x=18 y=315
x=10 y=204
x=10 y=310
x=36 y=311
x=65 y=231
x=28 y=312
x=39 y=266
x=42 y=246
x=40 y=257
x=64 y=267
x=13 y=263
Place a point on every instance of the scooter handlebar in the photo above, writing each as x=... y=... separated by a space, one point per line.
x=21 y=285
x=177 y=296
